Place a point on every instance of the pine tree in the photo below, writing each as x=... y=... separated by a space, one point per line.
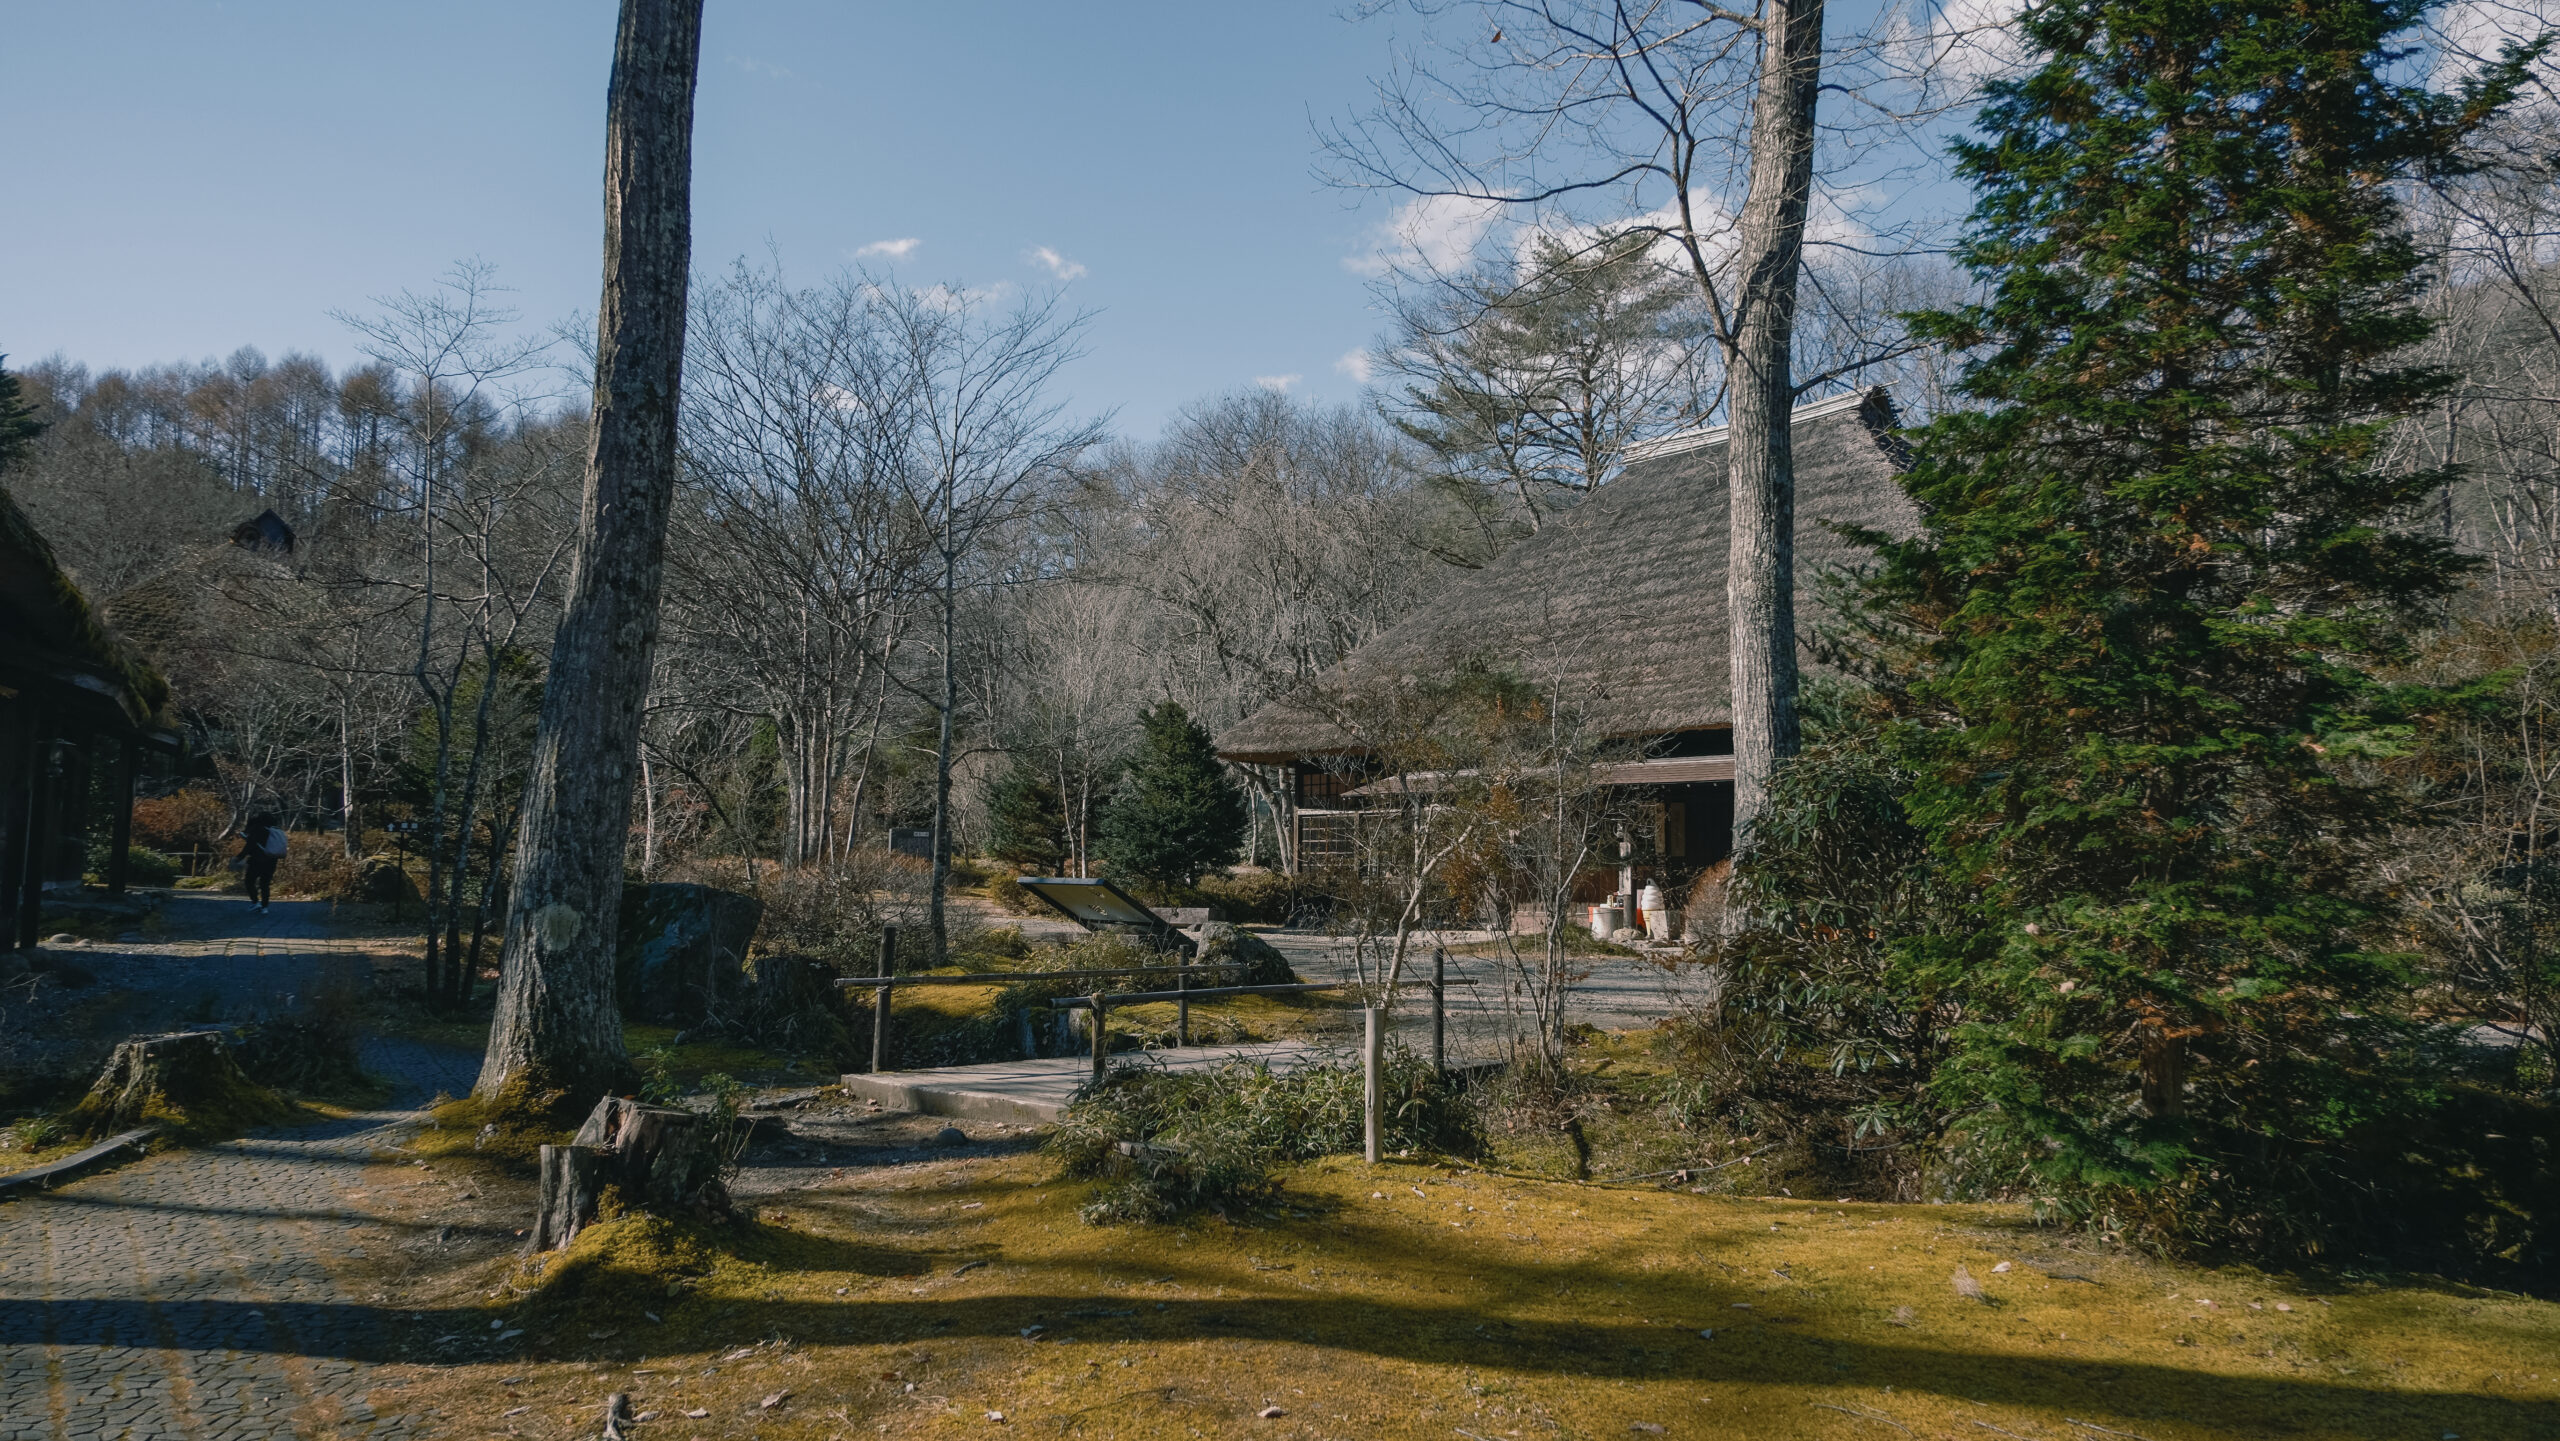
x=1027 y=819
x=2159 y=573
x=1177 y=815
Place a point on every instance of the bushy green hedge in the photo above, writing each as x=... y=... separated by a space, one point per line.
x=1165 y=1143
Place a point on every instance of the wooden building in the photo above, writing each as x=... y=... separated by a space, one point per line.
x=1622 y=601
x=78 y=706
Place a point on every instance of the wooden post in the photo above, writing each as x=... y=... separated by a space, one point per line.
x=35 y=837
x=880 y=1000
x=120 y=833
x=1372 y=1084
x=1101 y=1036
x=1182 y=1008
x=1439 y=1011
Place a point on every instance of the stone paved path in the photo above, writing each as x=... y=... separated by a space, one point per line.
x=185 y=1296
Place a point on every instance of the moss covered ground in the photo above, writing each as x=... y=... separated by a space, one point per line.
x=1430 y=1300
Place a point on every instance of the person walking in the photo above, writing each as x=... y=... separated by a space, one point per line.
x=262 y=846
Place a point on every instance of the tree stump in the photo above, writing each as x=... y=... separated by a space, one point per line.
x=654 y=1158
x=186 y=1080
x=572 y=1186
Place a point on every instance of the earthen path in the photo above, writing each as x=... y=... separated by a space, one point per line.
x=188 y=1295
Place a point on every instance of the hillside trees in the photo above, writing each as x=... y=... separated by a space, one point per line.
x=2158 y=575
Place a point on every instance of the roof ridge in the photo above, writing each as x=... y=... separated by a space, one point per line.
x=1684 y=441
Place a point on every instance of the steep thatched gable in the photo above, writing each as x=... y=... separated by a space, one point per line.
x=53 y=636
x=1621 y=601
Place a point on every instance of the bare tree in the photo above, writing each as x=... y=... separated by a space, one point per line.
x=966 y=430
x=795 y=573
x=446 y=348
x=557 y=1023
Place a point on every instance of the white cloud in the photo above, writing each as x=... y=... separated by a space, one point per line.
x=1961 y=44
x=763 y=67
x=898 y=249
x=1432 y=233
x=1280 y=383
x=1357 y=364
x=1056 y=264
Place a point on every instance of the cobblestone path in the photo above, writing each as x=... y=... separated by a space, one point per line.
x=184 y=1296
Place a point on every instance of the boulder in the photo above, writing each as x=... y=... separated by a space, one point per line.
x=1220 y=942
x=681 y=949
x=384 y=881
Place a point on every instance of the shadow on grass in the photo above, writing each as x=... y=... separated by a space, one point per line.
x=1414 y=1332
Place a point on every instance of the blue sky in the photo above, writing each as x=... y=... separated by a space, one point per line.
x=187 y=178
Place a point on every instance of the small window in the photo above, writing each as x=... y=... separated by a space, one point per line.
x=1327 y=790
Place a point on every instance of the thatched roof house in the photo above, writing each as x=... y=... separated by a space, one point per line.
x=1621 y=600
x=71 y=691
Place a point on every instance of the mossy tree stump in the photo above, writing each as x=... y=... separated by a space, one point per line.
x=654 y=1158
x=185 y=1080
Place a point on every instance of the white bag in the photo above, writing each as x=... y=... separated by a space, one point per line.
x=274 y=843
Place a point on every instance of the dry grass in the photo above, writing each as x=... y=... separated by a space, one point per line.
x=1418 y=1300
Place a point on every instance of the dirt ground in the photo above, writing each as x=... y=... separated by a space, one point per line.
x=893 y=1284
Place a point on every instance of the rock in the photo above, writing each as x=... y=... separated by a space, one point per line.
x=384 y=881
x=1220 y=942
x=681 y=949
x=951 y=1136
x=65 y=938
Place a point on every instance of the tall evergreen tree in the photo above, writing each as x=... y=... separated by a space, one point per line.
x=2159 y=571
x=1178 y=815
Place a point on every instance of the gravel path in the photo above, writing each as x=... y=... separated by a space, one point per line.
x=186 y=1296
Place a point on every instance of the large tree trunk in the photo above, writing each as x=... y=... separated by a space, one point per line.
x=557 y=1025
x=1759 y=458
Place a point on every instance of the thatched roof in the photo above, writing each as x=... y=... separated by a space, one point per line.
x=1621 y=600
x=52 y=636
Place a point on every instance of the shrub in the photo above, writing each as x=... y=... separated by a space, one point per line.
x=143 y=866
x=1256 y=896
x=1026 y=819
x=834 y=913
x=317 y=866
x=187 y=820
x=1165 y=1143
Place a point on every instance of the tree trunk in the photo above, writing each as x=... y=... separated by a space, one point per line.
x=557 y=1025
x=1759 y=455
x=947 y=703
